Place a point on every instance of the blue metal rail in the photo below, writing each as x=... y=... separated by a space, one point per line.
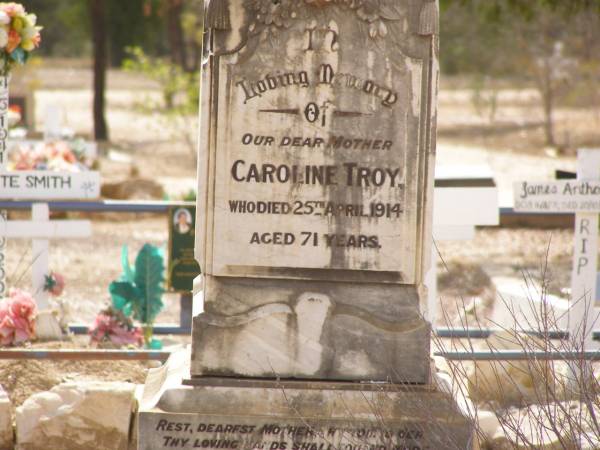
x=158 y=207
x=520 y=355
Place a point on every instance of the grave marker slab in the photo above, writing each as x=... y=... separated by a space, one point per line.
x=314 y=231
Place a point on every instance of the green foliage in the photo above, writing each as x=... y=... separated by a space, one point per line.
x=506 y=37
x=134 y=23
x=180 y=89
x=180 y=95
x=190 y=196
x=494 y=10
x=66 y=26
x=139 y=290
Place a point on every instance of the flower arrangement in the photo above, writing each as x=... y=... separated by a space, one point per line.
x=17 y=318
x=57 y=156
x=113 y=327
x=138 y=292
x=19 y=35
x=54 y=284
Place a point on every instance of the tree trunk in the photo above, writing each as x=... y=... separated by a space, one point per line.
x=547 y=92
x=175 y=33
x=98 y=17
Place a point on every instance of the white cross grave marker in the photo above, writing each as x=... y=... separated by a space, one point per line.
x=582 y=197
x=46 y=185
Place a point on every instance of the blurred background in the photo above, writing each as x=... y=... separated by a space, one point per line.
x=519 y=95
x=523 y=71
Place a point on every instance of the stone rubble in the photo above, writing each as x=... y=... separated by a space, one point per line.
x=509 y=383
x=77 y=416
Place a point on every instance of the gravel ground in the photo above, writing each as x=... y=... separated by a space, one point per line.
x=466 y=268
x=21 y=379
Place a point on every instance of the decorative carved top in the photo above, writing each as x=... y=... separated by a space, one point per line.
x=377 y=18
x=281 y=13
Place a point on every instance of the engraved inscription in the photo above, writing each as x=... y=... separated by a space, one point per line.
x=320 y=142
x=284 y=436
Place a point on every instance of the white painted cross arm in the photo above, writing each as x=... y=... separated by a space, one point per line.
x=56 y=229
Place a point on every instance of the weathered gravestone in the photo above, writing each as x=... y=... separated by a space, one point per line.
x=314 y=208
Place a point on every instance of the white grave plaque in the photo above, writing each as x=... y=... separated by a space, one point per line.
x=49 y=185
x=562 y=196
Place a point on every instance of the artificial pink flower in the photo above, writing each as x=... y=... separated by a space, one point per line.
x=13 y=9
x=107 y=328
x=57 y=156
x=55 y=284
x=37 y=39
x=62 y=149
x=17 y=318
x=24 y=161
x=6 y=325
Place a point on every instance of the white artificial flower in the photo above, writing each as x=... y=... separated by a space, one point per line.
x=4 y=18
x=31 y=19
x=3 y=38
x=29 y=33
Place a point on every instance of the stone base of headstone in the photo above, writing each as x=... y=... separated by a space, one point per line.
x=236 y=413
x=216 y=413
x=277 y=328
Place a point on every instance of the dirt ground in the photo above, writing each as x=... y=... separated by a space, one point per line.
x=511 y=145
x=21 y=379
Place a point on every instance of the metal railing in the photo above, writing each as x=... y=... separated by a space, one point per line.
x=184 y=327
x=520 y=355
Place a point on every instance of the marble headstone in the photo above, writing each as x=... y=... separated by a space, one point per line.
x=314 y=219
x=315 y=189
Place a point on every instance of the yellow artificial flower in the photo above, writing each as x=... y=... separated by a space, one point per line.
x=18 y=24
x=30 y=20
x=28 y=45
